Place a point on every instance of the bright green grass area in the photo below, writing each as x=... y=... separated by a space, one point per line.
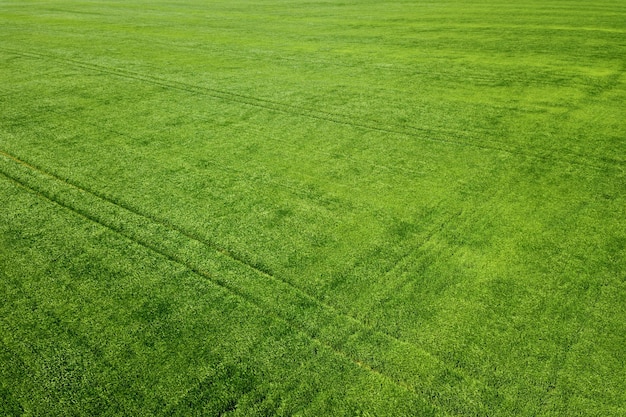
x=312 y=208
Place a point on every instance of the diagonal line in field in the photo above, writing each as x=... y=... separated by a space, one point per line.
x=195 y=269
x=412 y=131
x=402 y=363
x=241 y=259
x=230 y=96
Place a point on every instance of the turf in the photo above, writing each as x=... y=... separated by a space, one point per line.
x=312 y=208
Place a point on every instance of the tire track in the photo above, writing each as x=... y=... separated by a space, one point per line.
x=177 y=260
x=408 y=254
x=241 y=259
x=254 y=129
x=413 y=252
x=187 y=234
x=266 y=104
x=82 y=341
x=341 y=334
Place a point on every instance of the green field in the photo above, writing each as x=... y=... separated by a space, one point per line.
x=316 y=208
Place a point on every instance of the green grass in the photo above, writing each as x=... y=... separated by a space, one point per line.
x=312 y=208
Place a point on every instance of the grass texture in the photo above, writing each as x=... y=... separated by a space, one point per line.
x=277 y=207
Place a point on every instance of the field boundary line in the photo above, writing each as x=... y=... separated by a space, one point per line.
x=271 y=105
x=353 y=330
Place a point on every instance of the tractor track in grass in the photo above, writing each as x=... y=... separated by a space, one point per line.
x=410 y=253
x=401 y=261
x=266 y=104
x=261 y=178
x=234 y=97
x=177 y=260
x=254 y=129
x=416 y=242
x=353 y=334
x=482 y=78
x=203 y=273
x=190 y=235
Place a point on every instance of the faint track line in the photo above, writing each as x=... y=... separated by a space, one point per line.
x=402 y=259
x=239 y=259
x=220 y=282
x=262 y=179
x=412 y=131
x=254 y=129
x=177 y=258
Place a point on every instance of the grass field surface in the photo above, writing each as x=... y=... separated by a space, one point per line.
x=316 y=208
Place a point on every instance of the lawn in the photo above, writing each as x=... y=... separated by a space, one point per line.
x=316 y=208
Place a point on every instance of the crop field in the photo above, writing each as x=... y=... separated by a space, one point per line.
x=313 y=208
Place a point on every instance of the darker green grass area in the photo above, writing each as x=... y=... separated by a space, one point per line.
x=312 y=208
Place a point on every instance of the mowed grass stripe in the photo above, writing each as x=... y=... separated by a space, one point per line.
x=400 y=362
x=451 y=137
